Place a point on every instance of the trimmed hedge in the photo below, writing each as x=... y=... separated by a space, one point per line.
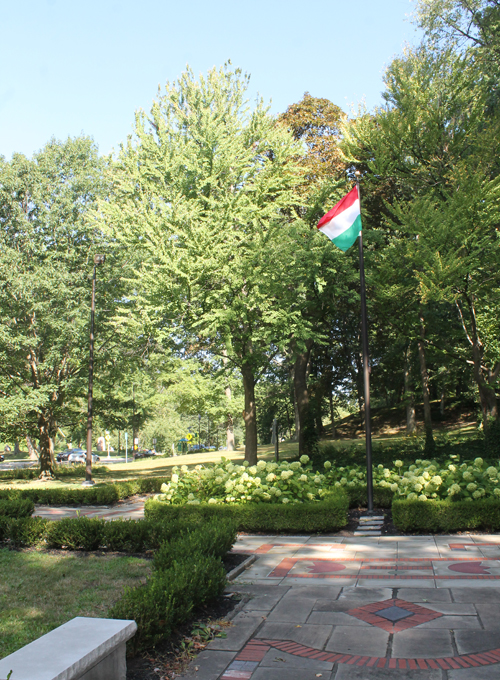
x=316 y=517
x=446 y=516
x=124 y=535
x=104 y=494
x=188 y=572
x=17 y=507
x=169 y=597
x=22 y=532
x=214 y=539
x=60 y=471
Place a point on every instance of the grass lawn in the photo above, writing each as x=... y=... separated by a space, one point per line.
x=40 y=591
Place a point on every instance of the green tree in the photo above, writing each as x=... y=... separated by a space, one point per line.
x=47 y=244
x=203 y=192
x=435 y=144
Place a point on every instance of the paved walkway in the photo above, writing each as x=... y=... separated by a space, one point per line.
x=124 y=510
x=362 y=609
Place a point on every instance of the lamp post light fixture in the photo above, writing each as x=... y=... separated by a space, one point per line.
x=98 y=260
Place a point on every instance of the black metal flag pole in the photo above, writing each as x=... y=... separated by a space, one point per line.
x=366 y=368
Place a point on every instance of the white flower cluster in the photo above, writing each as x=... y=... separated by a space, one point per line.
x=284 y=482
x=426 y=479
x=228 y=482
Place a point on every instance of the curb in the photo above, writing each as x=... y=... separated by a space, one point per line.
x=240 y=568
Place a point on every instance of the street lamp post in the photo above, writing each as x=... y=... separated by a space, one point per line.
x=98 y=259
x=199 y=431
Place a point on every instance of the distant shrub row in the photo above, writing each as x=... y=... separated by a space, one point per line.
x=60 y=472
x=100 y=494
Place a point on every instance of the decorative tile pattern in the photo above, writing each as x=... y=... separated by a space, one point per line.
x=446 y=663
x=393 y=568
x=394 y=615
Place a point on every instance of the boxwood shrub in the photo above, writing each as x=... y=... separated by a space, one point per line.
x=446 y=516
x=314 y=517
x=100 y=494
x=169 y=597
x=22 y=532
x=17 y=507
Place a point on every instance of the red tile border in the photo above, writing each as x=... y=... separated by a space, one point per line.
x=258 y=648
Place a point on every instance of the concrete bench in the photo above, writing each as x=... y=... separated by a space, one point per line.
x=82 y=649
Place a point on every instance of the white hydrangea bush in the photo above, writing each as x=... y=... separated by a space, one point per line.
x=227 y=482
x=284 y=482
x=426 y=479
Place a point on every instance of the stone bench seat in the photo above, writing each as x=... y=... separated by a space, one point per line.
x=82 y=649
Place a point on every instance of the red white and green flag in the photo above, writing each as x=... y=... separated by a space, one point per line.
x=342 y=223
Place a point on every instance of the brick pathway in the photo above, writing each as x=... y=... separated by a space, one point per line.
x=362 y=609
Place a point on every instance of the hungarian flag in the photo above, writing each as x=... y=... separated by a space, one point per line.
x=342 y=223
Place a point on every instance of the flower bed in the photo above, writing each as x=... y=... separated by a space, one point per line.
x=266 y=482
x=284 y=482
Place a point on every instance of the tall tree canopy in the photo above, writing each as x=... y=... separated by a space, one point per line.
x=203 y=192
x=47 y=244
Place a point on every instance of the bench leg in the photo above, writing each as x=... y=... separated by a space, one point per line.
x=112 y=667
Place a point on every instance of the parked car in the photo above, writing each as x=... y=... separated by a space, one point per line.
x=81 y=457
x=63 y=456
x=146 y=453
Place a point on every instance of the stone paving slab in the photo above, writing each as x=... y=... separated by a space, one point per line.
x=371 y=642
x=276 y=659
x=318 y=610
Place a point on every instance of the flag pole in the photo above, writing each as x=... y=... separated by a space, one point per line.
x=366 y=366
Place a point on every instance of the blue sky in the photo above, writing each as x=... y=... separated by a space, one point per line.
x=72 y=68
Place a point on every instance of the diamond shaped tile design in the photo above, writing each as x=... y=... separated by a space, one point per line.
x=394 y=615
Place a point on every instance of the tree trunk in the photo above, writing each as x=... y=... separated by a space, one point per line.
x=487 y=393
x=47 y=462
x=429 y=438
x=17 y=450
x=229 y=423
x=296 y=434
x=441 y=402
x=230 y=444
x=411 y=421
x=31 y=449
x=306 y=422
x=250 y=415
x=332 y=412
